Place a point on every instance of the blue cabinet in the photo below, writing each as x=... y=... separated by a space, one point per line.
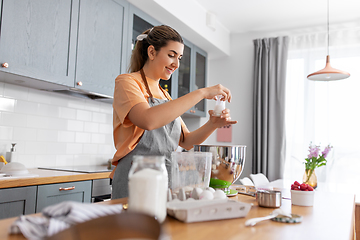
x=70 y=191
x=17 y=201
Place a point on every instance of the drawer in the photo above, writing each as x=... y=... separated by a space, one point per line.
x=70 y=191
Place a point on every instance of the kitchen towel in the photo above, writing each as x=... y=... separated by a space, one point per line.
x=58 y=217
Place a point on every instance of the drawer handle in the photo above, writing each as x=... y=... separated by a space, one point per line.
x=5 y=65
x=67 y=188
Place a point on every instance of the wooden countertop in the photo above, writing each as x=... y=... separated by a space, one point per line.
x=49 y=177
x=331 y=217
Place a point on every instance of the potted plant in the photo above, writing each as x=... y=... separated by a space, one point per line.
x=314 y=160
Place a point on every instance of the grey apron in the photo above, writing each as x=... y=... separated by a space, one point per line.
x=162 y=141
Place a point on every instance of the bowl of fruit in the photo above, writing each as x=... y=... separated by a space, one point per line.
x=302 y=194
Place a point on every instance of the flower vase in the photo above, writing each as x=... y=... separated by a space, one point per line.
x=310 y=178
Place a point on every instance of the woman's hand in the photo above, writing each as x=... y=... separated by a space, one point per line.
x=213 y=91
x=221 y=121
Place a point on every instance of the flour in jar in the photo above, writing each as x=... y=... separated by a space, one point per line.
x=147 y=192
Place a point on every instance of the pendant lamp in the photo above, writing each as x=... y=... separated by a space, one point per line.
x=328 y=73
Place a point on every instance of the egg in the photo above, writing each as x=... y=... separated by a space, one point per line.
x=206 y=195
x=210 y=189
x=196 y=193
x=219 y=194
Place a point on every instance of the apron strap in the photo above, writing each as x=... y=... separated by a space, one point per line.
x=146 y=85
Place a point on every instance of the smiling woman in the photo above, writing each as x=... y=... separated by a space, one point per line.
x=146 y=120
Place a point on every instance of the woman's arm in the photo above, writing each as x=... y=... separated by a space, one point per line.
x=149 y=118
x=201 y=134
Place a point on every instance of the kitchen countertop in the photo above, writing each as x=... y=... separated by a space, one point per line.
x=331 y=217
x=49 y=177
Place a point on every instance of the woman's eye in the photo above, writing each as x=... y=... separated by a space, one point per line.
x=171 y=56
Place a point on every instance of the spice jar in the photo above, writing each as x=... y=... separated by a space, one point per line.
x=148 y=185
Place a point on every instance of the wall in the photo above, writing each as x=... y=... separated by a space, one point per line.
x=52 y=129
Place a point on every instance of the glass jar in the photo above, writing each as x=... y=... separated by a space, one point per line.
x=148 y=186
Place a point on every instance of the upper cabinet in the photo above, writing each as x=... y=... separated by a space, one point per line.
x=38 y=39
x=72 y=43
x=192 y=76
x=82 y=46
x=99 y=46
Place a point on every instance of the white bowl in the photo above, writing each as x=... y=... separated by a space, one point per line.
x=14 y=169
x=302 y=198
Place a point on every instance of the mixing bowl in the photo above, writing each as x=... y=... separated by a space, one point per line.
x=227 y=163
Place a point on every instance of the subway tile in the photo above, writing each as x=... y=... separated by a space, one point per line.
x=91 y=148
x=27 y=160
x=7 y=104
x=82 y=137
x=47 y=135
x=74 y=148
x=91 y=127
x=92 y=106
x=76 y=103
x=64 y=160
x=99 y=117
x=58 y=124
x=67 y=113
x=83 y=115
x=106 y=150
x=16 y=92
x=106 y=108
x=37 y=122
x=13 y=119
x=39 y=96
x=47 y=160
x=98 y=138
x=26 y=107
x=6 y=133
x=48 y=110
x=25 y=134
x=106 y=128
x=33 y=147
x=66 y=136
x=56 y=148
x=73 y=125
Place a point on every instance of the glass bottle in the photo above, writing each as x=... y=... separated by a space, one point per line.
x=148 y=185
x=310 y=178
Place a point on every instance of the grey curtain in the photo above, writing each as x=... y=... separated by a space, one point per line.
x=269 y=106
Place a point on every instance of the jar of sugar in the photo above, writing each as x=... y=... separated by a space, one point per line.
x=148 y=185
x=219 y=106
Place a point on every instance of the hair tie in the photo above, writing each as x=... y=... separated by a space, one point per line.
x=141 y=37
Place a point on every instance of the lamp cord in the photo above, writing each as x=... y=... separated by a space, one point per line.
x=328 y=29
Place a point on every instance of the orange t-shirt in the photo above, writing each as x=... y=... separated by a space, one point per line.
x=129 y=91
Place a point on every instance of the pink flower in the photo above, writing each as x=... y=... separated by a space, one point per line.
x=326 y=151
x=313 y=151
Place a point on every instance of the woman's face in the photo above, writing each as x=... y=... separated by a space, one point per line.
x=167 y=59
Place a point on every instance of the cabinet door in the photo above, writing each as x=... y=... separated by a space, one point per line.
x=100 y=44
x=38 y=39
x=17 y=201
x=200 y=79
x=55 y=193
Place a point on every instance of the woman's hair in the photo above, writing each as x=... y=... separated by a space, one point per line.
x=157 y=36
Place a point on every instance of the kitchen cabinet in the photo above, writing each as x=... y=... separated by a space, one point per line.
x=192 y=76
x=73 y=44
x=138 y=23
x=38 y=40
x=50 y=194
x=17 y=201
x=99 y=46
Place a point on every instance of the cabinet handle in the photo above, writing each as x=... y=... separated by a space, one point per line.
x=192 y=111
x=79 y=83
x=67 y=188
x=5 y=65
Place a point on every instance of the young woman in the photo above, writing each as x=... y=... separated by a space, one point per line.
x=146 y=120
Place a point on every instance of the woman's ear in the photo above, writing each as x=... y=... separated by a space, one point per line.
x=151 y=52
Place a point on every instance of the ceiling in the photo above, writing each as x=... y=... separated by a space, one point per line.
x=240 y=16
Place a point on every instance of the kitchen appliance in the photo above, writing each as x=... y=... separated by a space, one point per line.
x=227 y=164
x=101 y=188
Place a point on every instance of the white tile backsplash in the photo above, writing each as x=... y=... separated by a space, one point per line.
x=53 y=129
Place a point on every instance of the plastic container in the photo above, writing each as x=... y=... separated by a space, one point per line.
x=302 y=198
x=148 y=185
x=190 y=170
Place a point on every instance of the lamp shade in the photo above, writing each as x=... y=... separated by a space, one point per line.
x=328 y=73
